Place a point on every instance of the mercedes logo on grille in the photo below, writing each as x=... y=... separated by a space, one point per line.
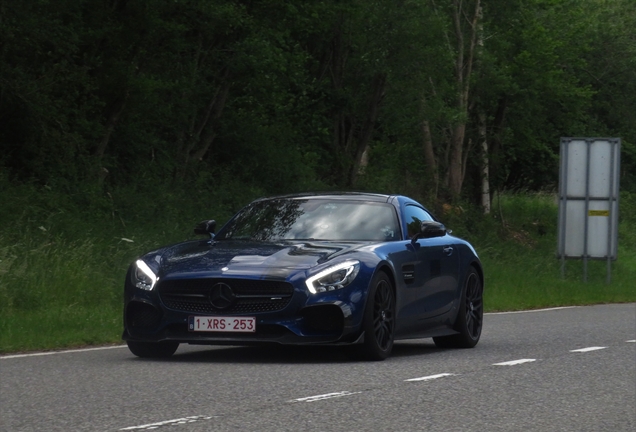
x=221 y=296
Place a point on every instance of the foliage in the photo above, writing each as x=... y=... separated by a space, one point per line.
x=517 y=246
x=283 y=96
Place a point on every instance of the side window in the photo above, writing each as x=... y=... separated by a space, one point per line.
x=414 y=216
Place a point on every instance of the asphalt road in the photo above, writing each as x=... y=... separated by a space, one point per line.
x=571 y=369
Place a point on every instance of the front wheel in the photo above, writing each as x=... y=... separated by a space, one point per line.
x=470 y=317
x=379 y=319
x=152 y=349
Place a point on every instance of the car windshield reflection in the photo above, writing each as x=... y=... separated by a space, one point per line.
x=316 y=219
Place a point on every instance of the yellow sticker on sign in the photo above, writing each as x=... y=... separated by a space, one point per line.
x=598 y=213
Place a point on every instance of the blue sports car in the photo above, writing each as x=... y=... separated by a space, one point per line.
x=335 y=268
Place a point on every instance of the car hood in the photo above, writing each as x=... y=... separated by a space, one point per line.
x=246 y=259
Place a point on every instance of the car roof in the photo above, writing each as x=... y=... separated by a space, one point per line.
x=356 y=196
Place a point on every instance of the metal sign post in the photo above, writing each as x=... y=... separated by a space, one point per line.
x=588 y=201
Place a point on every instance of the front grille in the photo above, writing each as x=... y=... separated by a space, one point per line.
x=252 y=296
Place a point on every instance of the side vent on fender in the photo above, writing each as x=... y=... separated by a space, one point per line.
x=408 y=272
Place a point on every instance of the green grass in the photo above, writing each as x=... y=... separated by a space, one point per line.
x=57 y=292
x=517 y=246
x=533 y=281
x=63 y=258
x=60 y=326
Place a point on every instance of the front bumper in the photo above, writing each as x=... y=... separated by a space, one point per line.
x=327 y=318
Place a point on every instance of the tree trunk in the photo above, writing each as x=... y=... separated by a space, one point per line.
x=343 y=125
x=485 y=180
x=455 y=166
x=113 y=116
x=463 y=70
x=429 y=150
x=496 y=137
x=364 y=140
x=482 y=130
x=199 y=139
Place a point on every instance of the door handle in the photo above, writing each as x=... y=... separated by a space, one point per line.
x=448 y=250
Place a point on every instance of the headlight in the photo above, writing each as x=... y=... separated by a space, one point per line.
x=333 y=278
x=143 y=276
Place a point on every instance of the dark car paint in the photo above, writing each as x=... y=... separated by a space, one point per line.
x=426 y=276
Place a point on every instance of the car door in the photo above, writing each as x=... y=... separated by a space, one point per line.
x=437 y=262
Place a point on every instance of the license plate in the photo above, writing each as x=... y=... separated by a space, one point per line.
x=222 y=324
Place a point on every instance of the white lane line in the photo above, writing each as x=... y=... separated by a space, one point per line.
x=59 y=352
x=588 y=349
x=430 y=377
x=531 y=310
x=632 y=341
x=324 y=396
x=514 y=362
x=157 y=425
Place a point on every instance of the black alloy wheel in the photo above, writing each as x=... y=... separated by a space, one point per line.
x=379 y=319
x=152 y=349
x=474 y=306
x=470 y=316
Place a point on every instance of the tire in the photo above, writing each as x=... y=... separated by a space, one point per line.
x=379 y=319
x=470 y=317
x=152 y=349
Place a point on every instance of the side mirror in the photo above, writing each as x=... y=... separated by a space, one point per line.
x=430 y=229
x=206 y=227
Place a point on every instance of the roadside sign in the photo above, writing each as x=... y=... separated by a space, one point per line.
x=588 y=200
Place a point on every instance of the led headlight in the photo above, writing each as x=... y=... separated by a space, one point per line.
x=143 y=276
x=333 y=278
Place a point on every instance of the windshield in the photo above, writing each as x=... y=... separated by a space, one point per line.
x=313 y=219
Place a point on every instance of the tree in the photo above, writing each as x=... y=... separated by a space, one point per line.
x=461 y=41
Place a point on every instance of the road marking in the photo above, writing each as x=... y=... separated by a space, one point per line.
x=59 y=352
x=157 y=425
x=430 y=377
x=632 y=341
x=324 y=396
x=514 y=362
x=531 y=310
x=588 y=349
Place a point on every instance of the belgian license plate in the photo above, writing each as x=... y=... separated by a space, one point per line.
x=222 y=324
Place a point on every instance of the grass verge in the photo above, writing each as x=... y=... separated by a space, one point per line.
x=60 y=326
x=517 y=245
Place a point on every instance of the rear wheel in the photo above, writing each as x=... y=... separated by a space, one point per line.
x=470 y=317
x=152 y=349
x=379 y=319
